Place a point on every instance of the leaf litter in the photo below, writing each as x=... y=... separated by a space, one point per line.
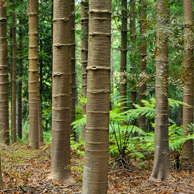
x=25 y=170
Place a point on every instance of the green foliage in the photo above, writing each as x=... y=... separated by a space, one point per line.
x=78 y=147
x=47 y=136
x=77 y=124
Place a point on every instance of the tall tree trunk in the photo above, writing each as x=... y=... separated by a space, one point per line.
x=60 y=161
x=20 y=79
x=95 y=178
x=143 y=54
x=123 y=86
x=13 y=77
x=133 y=92
x=4 y=87
x=161 y=151
x=33 y=73
x=73 y=73
x=84 y=54
x=188 y=78
x=40 y=128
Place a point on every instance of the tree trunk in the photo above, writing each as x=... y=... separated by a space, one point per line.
x=143 y=54
x=73 y=73
x=33 y=73
x=84 y=55
x=123 y=86
x=188 y=78
x=40 y=128
x=4 y=86
x=133 y=92
x=20 y=80
x=1 y=178
x=95 y=178
x=161 y=151
x=13 y=77
x=60 y=161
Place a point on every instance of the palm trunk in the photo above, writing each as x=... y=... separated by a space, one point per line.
x=73 y=73
x=60 y=161
x=13 y=78
x=20 y=81
x=143 y=54
x=4 y=95
x=123 y=86
x=161 y=151
x=84 y=55
x=33 y=74
x=95 y=178
x=188 y=78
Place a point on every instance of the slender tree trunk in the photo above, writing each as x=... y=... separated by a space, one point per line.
x=33 y=73
x=60 y=161
x=1 y=178
x=84 y=54
x=40 y=128
x=188 y=78
x=143 y=54
x=41 y=65
x=20 y=80
x=161 y=151
x=95 y=178
x=123 y=86
x=73 y=73
x=4 y=95
x=133 y=92
x=13 y=77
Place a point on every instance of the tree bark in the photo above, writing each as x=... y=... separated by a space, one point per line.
x=60 y=161
x=73 y=72
x=161 y=151
x=20 y=80
x=33 y=74
x=1 y=178
x=13 y=77
x=188 y=79
x=133 y=92
x=123 y=85
x=4 y=86
x=143 y=54
x=84 y=55
x=40 y=127
x=95 y=178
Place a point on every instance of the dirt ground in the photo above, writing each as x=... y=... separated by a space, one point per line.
x=26 y=171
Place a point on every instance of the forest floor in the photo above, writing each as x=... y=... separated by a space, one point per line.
x=26 y=171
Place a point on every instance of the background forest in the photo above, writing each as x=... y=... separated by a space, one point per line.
x=110 y=79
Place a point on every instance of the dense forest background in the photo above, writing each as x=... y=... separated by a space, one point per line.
x=141 y=67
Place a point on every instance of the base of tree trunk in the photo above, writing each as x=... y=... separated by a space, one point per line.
x=65 y=180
